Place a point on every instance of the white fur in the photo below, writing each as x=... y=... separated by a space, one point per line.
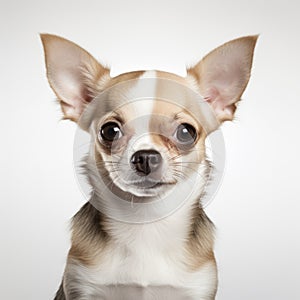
x=142 y=109
x=144 y=87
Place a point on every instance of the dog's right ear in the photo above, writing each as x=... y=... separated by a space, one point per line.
x=73 y=74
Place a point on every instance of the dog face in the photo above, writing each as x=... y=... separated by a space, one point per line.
x=148 y=127
x=148 y=146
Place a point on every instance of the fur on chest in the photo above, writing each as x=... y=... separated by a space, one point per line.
x=176 y=251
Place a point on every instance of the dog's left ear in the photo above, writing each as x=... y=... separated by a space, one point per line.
x=73 y=74
x=223 y=75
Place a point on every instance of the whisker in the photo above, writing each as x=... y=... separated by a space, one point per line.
x=190 y=168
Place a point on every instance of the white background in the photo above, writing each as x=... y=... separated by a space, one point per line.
x=257 y=208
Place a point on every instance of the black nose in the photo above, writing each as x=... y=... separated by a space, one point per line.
x=145 y=161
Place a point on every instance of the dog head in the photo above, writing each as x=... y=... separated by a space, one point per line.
x=148 y=127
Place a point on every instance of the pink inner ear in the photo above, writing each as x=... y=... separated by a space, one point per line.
x=222 y=83
x=72 y=111
x=223 y=80
x=68 y=83
x=221 y=104
x=211 y=95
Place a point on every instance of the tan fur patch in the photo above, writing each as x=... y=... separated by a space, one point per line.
x=200 y=242
x=124 y=77
x=89 y=237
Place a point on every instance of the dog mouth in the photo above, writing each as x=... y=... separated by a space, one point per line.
x=149 y=184
x=149 y=187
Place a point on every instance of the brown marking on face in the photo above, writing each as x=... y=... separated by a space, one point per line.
x=162 y=141
x=172 y=116
x=118 y=106
x=166 y=108
x=166 y=75
x=124 y=77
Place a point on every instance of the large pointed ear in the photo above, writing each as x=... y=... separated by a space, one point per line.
x=73 y=74
x=223 y=75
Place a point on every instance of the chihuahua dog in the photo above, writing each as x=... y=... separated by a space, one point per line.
x=147 y=131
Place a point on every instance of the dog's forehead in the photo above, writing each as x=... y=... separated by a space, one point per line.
x=151 y=93
x=136 y=97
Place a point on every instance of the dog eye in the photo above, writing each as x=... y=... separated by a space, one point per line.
x=110 y=132
x=186 y=134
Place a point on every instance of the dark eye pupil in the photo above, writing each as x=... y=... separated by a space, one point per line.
x=186 y=133
x=110 y=132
